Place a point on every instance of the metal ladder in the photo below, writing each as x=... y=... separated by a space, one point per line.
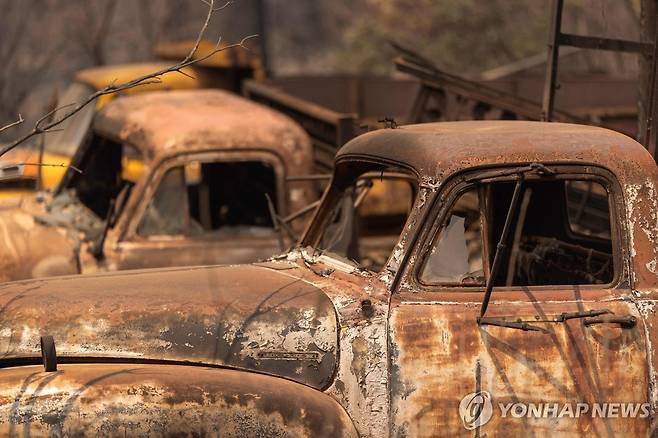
x=558 y=38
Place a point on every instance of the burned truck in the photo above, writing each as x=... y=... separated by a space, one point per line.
x=165 y=179
x=523 y=274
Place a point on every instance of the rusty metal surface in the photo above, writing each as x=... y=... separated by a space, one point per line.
x=361 y=380
x=166 y=123
x=567 y=363
x=436 y=150
x=399 y=357
x=247 y=317
x=162 y=400
x=437 y=352
x=281 y=317
x=33 y=247
x=183 y=252
x=20 y=258
x=168 y=127
x=29 y=248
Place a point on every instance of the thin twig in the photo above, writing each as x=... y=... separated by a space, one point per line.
x=44 y=165
x=150 y=78
x=11 y=125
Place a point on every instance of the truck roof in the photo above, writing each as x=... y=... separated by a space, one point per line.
x=434 y=150
x=169 y=122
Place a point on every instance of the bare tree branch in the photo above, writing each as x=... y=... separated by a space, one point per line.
x=11 y=125
x=43 y=165
x=41 y=127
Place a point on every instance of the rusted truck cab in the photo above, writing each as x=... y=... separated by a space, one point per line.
x=447 y=341
x=516 y=297
x=165 y=179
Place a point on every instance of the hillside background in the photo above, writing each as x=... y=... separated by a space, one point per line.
x=44 y=42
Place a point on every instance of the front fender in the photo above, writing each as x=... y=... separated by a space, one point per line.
x=29 y=249
x=162 y=400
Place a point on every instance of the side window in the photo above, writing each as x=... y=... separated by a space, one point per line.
x=219 y=199
x=560 y=235
x=230 y=197
x=456 y=254
x=380 y=218
x=166 y=214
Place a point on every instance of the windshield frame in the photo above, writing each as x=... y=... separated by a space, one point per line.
x=144 y=192
x=345 y=177
x=74 y=131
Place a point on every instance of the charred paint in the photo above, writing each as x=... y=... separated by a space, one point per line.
x=162 y=400
x=402 y=367
x=246 y=317
x=162 y=126
x=444 y=355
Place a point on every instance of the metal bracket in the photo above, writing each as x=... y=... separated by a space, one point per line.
x=48 y=354
x=628 y=321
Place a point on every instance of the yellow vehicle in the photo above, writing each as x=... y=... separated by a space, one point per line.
x=19 y=170
x=60 y=146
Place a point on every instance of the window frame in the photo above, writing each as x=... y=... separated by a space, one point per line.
x=185 y=207
x=460 y=183
x=155 y=178
x=439 y=226
x=316 y=226
x=315 y=229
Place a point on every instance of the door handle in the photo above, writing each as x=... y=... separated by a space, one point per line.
x=627 y=321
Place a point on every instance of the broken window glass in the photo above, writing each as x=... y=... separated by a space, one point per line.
x=165 y=214
x=456 y=255
x=588 y=207
x=560 y=235
x=367 y=216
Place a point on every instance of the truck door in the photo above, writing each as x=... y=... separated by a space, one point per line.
x=560 y=349
x=205 y=213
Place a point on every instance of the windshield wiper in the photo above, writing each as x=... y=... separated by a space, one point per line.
x=537 y=168
x=500 y=248
x=502 y=322
x=526 y=325
x=627 y=321
x=581 y=314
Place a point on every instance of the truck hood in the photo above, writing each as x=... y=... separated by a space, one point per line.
x=162 y=400
x=255 y=317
